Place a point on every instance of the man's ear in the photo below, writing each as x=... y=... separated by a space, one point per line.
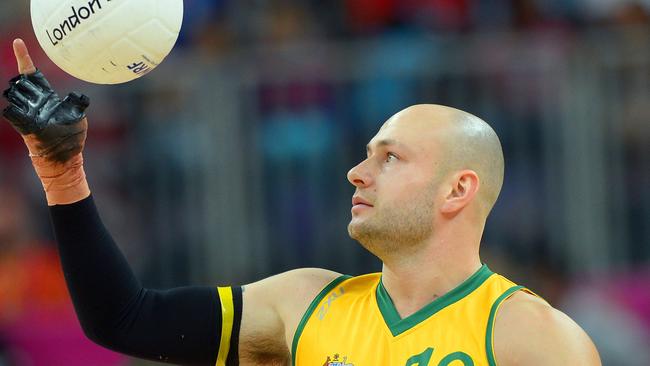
x=463 y=189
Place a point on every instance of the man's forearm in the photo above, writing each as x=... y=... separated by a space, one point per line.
x=180 y=325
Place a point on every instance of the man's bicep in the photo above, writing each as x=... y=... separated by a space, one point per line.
x=272 y=309
x=531 y=333
x=261 y=338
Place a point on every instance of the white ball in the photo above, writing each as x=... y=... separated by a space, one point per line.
x=107 y=41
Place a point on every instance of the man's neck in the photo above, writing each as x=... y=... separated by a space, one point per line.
x=417 y=281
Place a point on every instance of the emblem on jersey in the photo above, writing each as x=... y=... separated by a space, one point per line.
x=336 y=360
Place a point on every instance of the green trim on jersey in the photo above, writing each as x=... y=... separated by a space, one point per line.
x=397 y=325
x=310 y=311
x=489 y=347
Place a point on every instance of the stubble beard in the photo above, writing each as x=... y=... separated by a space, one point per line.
x=395 y=229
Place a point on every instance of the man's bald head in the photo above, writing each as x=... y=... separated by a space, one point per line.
x=463 y=141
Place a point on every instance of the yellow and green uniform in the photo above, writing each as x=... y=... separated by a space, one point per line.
x=353 y=322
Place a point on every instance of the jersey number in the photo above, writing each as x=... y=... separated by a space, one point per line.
x=423 y=359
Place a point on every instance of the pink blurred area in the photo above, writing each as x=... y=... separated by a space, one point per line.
x=37 y=317
x=38 y=325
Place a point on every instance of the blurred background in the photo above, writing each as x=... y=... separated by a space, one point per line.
x=228 y=163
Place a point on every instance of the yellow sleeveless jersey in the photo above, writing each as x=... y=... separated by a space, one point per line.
x=353 y=322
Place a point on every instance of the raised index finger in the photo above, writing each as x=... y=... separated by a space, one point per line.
x=25 y=63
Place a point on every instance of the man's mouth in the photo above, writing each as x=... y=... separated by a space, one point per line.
x=360 y=201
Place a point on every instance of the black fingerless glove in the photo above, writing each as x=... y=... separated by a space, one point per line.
x=34 y=108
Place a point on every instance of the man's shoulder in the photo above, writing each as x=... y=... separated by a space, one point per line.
x=306 y=279
x=530 y=331
x=291 y=288
x=315 y=280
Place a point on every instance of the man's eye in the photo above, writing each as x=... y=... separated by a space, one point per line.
x=390 y=157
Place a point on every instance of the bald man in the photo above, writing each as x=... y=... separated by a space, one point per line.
x=431 y=176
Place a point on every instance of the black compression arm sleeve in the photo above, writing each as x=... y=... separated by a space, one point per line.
x=182 y=325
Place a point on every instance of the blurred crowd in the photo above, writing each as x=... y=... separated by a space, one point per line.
x=309 y=119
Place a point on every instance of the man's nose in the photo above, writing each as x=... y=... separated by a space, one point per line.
x=360 y=176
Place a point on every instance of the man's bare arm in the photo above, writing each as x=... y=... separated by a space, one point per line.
x=272 y=309
x=530 y=332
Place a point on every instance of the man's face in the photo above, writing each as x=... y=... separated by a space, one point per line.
x=393 y=205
